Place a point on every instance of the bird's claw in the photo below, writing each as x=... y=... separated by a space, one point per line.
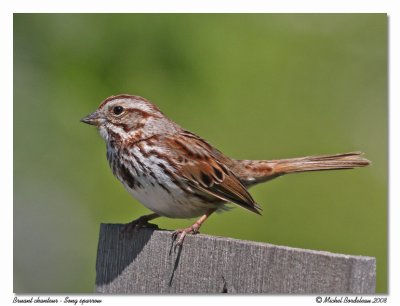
x=181 y=233
x=135 y=225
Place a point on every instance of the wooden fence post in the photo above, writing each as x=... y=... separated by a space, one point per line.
x=147 y=262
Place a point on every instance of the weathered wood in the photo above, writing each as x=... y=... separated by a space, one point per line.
x=147 y=262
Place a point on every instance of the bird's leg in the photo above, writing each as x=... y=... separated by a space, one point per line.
x=194 y=229
x=142 y=221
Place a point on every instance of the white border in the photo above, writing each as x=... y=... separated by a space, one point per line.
x=204 y=6
x=8 y=7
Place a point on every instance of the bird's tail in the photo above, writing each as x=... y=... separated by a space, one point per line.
x=251 y=172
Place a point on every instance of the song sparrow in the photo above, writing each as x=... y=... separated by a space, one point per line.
x=177 y=174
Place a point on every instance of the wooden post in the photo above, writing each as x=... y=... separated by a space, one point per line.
x=147 y=262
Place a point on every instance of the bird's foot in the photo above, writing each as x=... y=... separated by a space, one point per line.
x=181 y=233
x=194 y=229
x=135 y=225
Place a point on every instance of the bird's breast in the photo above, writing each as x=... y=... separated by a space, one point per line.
x=148 y=178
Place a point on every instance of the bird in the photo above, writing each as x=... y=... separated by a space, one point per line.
x=177 y=174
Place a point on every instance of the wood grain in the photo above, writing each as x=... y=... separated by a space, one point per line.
x=147 y=262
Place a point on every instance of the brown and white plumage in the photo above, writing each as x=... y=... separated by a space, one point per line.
x=177 y=174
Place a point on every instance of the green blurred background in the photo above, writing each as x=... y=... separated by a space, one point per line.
x=257 y=86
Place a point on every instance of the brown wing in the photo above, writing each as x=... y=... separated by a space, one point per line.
x=204 y=169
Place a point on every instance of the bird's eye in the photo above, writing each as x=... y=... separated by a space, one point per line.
x=117 y=110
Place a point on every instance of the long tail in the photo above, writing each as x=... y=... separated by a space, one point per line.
x=252 y=172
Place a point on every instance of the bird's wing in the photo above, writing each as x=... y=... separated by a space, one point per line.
x=203 y=168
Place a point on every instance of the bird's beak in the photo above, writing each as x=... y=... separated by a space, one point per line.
x=93 y=119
